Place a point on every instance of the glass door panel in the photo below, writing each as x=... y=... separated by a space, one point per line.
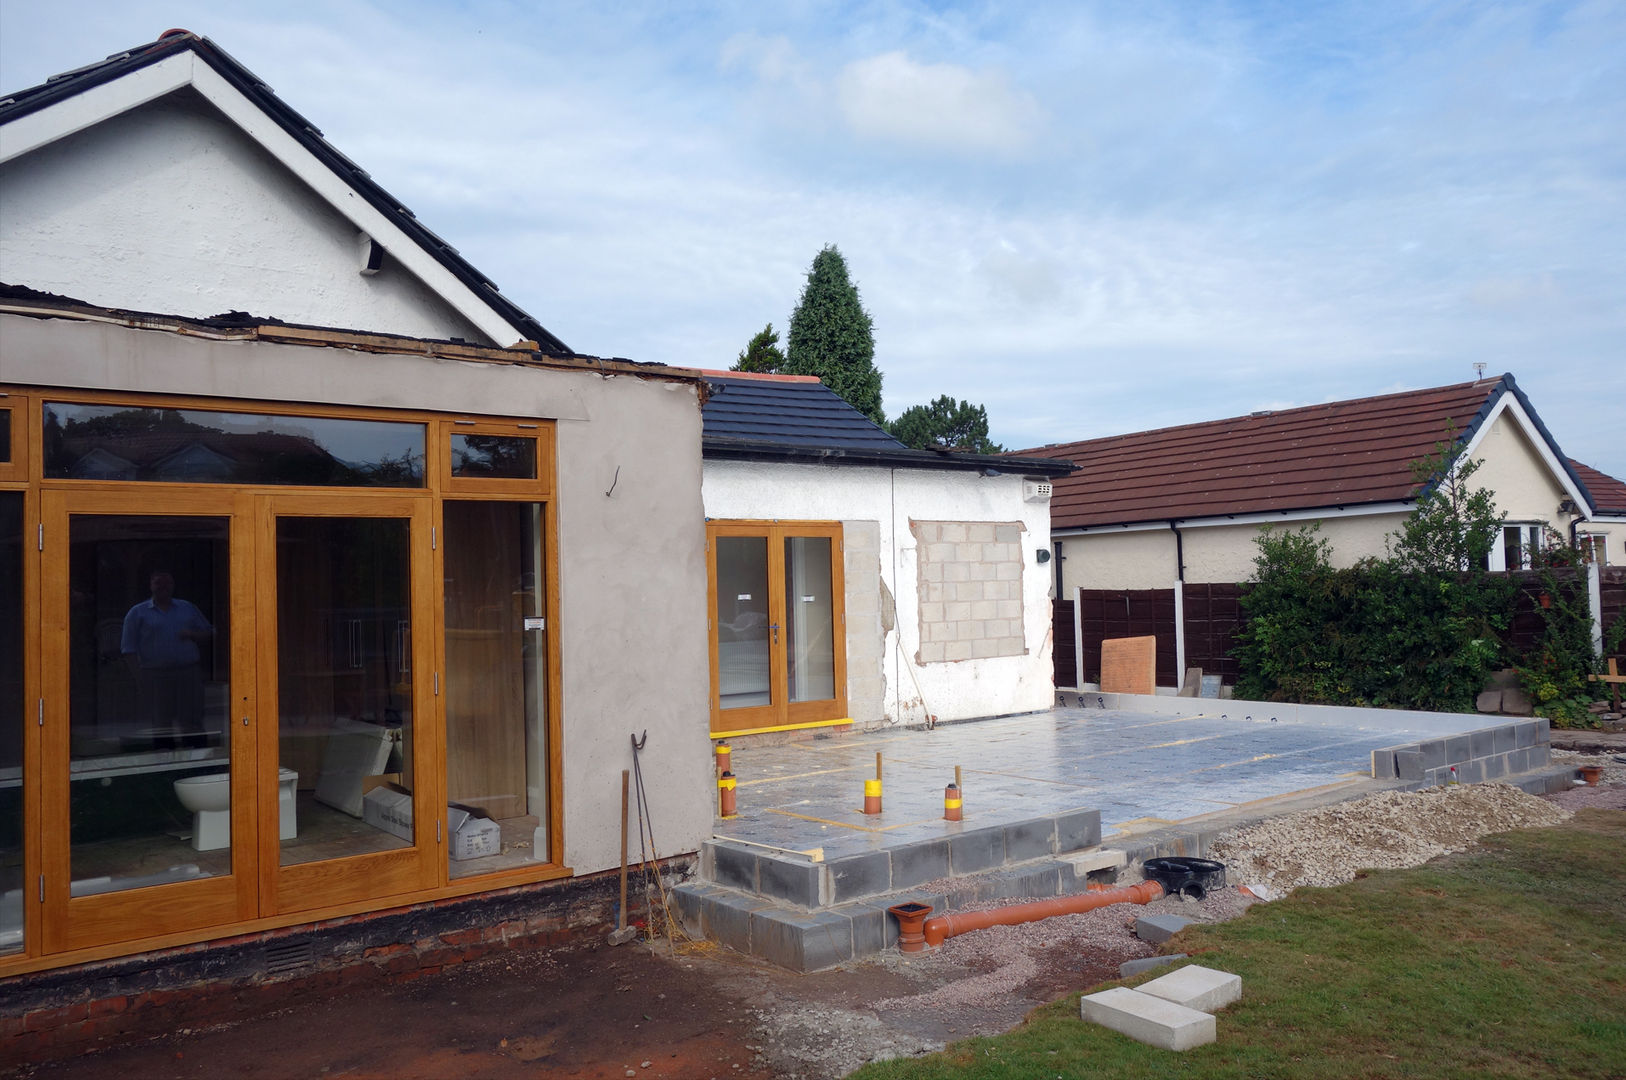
x=144 y=669
x=341 y=781
x=810 y=653
x=497 y=782
x=11 y=720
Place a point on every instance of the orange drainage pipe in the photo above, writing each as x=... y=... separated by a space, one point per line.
x=947 y=926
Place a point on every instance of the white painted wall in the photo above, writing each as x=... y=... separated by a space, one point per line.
x=632 y=569
x=1525 y=488
x=170 y=208
x=892 y=497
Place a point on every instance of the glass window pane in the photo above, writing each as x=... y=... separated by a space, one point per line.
x=114 y=442
x=743 y=677
x=5 y=435
x=148 y=663
x=496 y=687
x=494 y=457
x=11 y=721
x=809 y=618
x=344 y=687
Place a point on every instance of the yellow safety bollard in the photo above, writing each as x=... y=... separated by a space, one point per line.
x=951 y=803
x=725 y=795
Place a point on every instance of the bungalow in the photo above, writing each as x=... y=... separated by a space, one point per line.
x=1159 y=526
x=302 y=624
x=856 y=580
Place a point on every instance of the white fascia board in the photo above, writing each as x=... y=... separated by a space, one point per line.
x=99 y=103
x=1265 y=518
x=1607 y=519
x=146 y=84
x=1509 y=404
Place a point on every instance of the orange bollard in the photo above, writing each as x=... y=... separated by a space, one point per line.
x=872 y=796
x=951 y=803
x=725 y=758
x=725 y=795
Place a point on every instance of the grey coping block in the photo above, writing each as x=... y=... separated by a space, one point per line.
x=1458 y=748
x=1495 y=767
x=1130 y=968
x=925 y=860
x=1045 y=879
x=975 y=851
x=687 y=899
x=1524 y=734
x=1148 y=1019
x=1196 y=987
x=1383 y=765
x=874 y=930
x=1433 y=753
x=1544 y=731
x=1030 y=839
x=852 y=876
x=1409 y=764
x=1505 y=738
x=1482 y=743
x=1077 y=831
x=801 y=940
x=1471 y=772
x=735 y=867
x=726 y=919
x=1159 y=928
x=791 y=880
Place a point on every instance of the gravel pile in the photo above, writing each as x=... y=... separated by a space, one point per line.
x=1386 y=830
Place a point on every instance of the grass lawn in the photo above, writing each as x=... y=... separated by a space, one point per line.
x=1505 y=961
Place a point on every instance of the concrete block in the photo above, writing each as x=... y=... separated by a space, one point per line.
x=853 y=876
x=1458 y=748
x=1495 y=766
x=1519 y=760
x=1433 y=753
x=976 y=850
x=1471 y=772
x=1148 y=1019
x=1540 y=756
x=1086 y=862
x=1130 y=968
x=1383 y=765
x=1489 y=701
x=790 y=880
x=919 y=862
x=1030 y=840
x=1077 y=831
x=1516 y=702
x=726 y=919
x=1482 y=743
x=1196 y=987
x=1524 y=734
x=1159 y=928
x=734 y=867
x=801 y=940
x=1505 y=739
x=1409 y=764
x=874 y=931
x=1040 y=879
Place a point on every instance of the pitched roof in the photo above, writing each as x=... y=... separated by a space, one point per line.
x=1608 y=495
x=798 y=418
x=172 y=43
x=1319 y=457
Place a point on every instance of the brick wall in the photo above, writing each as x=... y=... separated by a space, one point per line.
x=970 y=581
x=67 y=1011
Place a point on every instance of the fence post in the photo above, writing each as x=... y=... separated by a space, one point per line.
x=1179 y=634
x=1594 y=601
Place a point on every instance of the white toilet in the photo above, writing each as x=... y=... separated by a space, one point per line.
x=209 y=798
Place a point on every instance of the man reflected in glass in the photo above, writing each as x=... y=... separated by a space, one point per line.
x=160 y=644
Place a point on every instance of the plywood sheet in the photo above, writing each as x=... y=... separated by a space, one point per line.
x=1129 y=665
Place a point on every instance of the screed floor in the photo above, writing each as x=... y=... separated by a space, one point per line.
x=1139 y=770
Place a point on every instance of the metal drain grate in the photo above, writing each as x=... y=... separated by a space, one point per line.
x=288 y=957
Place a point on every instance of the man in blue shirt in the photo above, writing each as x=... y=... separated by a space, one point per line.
x=160 y=643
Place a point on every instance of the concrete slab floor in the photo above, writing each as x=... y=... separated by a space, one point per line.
x=1139 y=770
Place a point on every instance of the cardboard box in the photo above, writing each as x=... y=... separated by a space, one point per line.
x=472 y=837
x=389 y=807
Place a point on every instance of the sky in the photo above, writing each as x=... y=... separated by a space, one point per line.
x=1090 y=218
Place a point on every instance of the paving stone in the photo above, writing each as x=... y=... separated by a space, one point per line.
x=1148 y=1019
x=1516 y=702
x=1159 y=928
x=1130 y=968
x=1489 y=701
x=1196 y=987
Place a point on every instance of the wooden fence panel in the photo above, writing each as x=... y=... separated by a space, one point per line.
x=1213 y=616
x=1063 y=653
x=1116 y=613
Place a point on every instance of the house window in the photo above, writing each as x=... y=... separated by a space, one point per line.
x=1520 y=543
x=1595 y=548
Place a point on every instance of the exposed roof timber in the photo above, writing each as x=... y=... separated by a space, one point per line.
x=77 y=100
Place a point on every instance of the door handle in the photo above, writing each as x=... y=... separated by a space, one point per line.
x=775 y=628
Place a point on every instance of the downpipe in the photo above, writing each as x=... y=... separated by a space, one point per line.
x=939 y=929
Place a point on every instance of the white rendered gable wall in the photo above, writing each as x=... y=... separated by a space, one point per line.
x=170 y=208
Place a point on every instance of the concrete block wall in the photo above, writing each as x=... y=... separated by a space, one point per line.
x=866 y=638
x=1487 y=754
x=970 y=590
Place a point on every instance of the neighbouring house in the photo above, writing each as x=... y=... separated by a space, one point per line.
x=1604 y=532
x=1156 y=529
x=323 y=629
x=856 y=580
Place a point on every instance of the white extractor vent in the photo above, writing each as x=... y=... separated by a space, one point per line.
x=1036 y=491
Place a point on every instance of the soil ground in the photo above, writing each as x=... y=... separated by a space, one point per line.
x=646 y=1011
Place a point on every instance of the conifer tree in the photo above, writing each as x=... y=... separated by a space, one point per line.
x=832 y=336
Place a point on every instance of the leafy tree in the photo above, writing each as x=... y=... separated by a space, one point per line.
x=1453 y=526
x=832 y=336
x=762 y=355
x=958 y=425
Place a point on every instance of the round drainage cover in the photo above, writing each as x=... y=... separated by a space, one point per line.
x=1193 y=877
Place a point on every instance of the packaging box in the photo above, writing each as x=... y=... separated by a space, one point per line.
x=472 y=837
x=389 y=808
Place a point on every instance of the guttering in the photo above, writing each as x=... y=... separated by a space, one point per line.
x=714 y=449
x=1395 y=506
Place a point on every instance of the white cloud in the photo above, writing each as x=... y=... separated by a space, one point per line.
x=945 y=106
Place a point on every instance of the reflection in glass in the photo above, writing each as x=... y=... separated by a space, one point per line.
x=494 y=457
x=11 y=720
x=148 y=663
x=809 y=619
x=743 y=627
x=344 y=686
x=113 y=442
x=496 y=657
x=5 y=435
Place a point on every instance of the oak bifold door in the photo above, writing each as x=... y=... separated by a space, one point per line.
x=229 y=675
x=778 y=648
